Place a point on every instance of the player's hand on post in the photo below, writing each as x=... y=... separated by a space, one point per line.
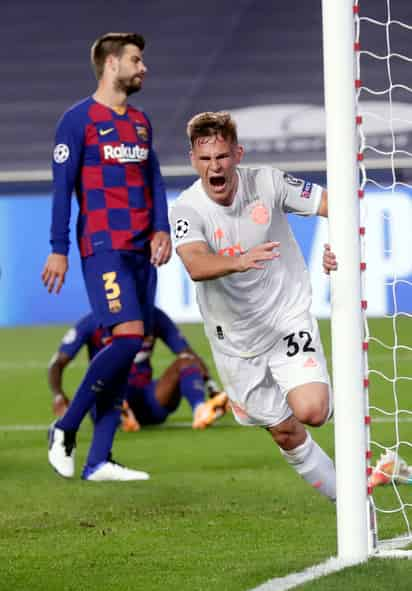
x=60 y=404
x=160 y=248
x=256 y=256
x=54 y=272
x=329 y=260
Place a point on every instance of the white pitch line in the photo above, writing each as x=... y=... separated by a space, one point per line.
x=309 y=574
x=181 y=424
x=170 y=425
x=36 y=364
x=32 y=364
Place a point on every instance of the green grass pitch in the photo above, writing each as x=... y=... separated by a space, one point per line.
x=221 y=512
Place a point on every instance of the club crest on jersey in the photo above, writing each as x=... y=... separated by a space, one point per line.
x=291 y=180
x=181 y=228
x=260 y=213
x=142 y=132
x=115 y=306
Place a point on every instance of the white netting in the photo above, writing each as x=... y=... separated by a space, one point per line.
x=384 y=98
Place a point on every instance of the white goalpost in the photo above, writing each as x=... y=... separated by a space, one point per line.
x=346 y=320
x=347 y=179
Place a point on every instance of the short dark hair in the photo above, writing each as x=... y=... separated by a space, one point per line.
x=212 y=124
x=112 y=44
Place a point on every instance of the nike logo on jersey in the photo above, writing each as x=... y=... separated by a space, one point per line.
x=106 y=131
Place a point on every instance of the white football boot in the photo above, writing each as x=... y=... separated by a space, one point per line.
x=62 y=446
x=106 y=471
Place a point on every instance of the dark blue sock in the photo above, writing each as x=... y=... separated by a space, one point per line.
x=105 y=426
x=105 y=377
x=192 y=385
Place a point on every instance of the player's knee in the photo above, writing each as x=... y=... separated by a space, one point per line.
x=185 y=362
x=313 y=415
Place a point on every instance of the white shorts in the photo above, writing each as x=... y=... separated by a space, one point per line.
x=258 y=386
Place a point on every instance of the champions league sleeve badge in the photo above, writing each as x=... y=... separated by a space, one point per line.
x=181 y=228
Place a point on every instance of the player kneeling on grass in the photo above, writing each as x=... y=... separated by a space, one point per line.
x=147 y=401
x=232 y=233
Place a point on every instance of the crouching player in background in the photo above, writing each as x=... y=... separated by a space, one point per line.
x=147 y=401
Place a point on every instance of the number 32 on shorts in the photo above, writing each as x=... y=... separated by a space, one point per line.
x=297 y=341
x=111 y=287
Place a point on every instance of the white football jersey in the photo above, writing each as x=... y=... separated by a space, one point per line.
x=244 y=312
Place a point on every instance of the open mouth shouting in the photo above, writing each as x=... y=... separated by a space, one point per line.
x=218 y=181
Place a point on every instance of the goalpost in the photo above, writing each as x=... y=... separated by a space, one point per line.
x=347 y=181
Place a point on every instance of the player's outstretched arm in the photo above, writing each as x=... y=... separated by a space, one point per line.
x=329 y=260
x=54 y=272
x=202 y=264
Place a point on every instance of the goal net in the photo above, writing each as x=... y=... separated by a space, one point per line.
x=383 y=51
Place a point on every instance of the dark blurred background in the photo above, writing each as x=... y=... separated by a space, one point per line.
x=263 y=58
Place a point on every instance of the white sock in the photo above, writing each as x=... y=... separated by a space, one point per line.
x=314 y=465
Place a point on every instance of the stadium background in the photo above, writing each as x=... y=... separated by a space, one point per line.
x=261 y=63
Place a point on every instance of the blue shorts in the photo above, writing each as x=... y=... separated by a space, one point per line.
x=121 y=286
x=145 y=406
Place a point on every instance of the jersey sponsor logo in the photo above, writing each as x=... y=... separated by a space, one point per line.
x=104 y=132
x=291 y=180
x=306 y=190
x=181 y=228
x=260 y=214
x=124 y=154
x=61 y=153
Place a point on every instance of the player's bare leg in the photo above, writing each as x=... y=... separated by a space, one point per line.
x=167 y=388
x=310 y=403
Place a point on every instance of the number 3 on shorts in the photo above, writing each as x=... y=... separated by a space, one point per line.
x=111 y=287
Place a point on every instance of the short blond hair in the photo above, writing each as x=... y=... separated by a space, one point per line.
x=210 y=124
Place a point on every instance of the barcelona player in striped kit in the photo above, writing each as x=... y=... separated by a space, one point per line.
x=148 y=401
x=104 y=153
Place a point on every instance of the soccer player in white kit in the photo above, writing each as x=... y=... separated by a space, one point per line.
x=253 y=290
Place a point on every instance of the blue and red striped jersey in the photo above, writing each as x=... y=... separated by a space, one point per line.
x=87 y=332
x=109 y=161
